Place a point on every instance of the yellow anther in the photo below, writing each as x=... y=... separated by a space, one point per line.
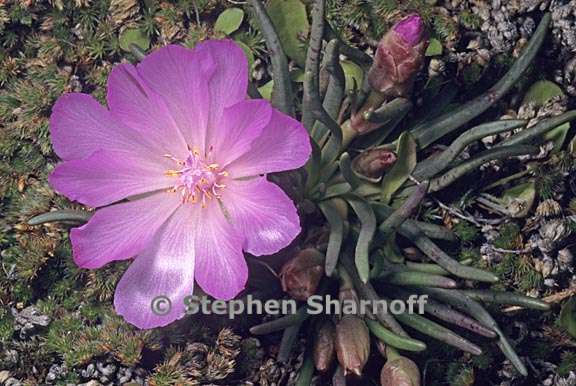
x=203 y=184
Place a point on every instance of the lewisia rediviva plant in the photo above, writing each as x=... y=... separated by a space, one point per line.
x=178 y=162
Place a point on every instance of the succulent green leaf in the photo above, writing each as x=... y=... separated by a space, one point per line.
x=266 y=90
x=133 y=36
x=368 y=226
x=72 y=216
x=229 y=20
x=434 y=48
x=336 y=236
x=557 y=135
x=405 y=164
x=353 y=74
x=297 y=75
x=525 y=194
x=248 y=52
x=345 y=165
x=291 y=22
x=541 y=92
x=568 y=316
x=392 y=339
x=306 y=371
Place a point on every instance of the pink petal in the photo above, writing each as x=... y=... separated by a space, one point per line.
x=229 y=84
x=79 y=126
x=263 y=213
x=221 y=270
x=106 y=177
x=121 y=231
x=283 y=145
x=181 y=77
x=136 y=105
x=238 y=127
x=165 y=268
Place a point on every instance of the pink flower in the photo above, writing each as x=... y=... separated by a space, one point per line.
x=186 y=150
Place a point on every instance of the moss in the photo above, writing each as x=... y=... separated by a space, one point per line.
x=567 y=364
x=508 y=236
x=375 y=18
x=460 y=374
x=444 y=27
x=6 y=327
x=515 y=270
x=78 y=340
x=62 y=338
x=541 y=349
x=483 y=361
x=466 y=232
x=470 y=20
x=472 y=74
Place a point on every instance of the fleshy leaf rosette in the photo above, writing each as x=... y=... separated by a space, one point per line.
x=177 y=166
x=399 y=57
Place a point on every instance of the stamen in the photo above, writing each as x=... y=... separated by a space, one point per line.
x=172 y=173
x=198 y=179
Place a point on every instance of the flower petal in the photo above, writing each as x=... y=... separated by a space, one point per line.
x=106 y=177
x=263 y=213
x=283 y=145
x=238 y=127
x=181 y=77
x=136 y=105
x=79 y=126
x=121 y=231
x=165 y=269
x=221 y=270
x=229 y=84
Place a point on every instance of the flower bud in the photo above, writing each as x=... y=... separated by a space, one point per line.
x=399 y=57
x=324 y=346
x=300 y=275
x=400 y=371
x=352 y=344
x=372 y=163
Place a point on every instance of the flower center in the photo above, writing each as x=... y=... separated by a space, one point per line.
x=198 y=179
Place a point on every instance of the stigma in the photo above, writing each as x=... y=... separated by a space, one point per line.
x=198 y=178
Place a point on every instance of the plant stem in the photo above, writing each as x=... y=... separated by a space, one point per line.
x=430 y=167
x=392 y=339
x=66 y=215
x=430 y=131
x=452 y=175
x=508 y=298
x=282 y=95
x=474 y=309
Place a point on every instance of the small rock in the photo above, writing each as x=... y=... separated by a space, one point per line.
x=12 y=382
x=4 y=375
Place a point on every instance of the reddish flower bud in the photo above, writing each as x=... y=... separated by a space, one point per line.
x=372 y=163
x=400 y=371
x=399 y=57
x=300 y=275
x=352 y=344
x=324 y=346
